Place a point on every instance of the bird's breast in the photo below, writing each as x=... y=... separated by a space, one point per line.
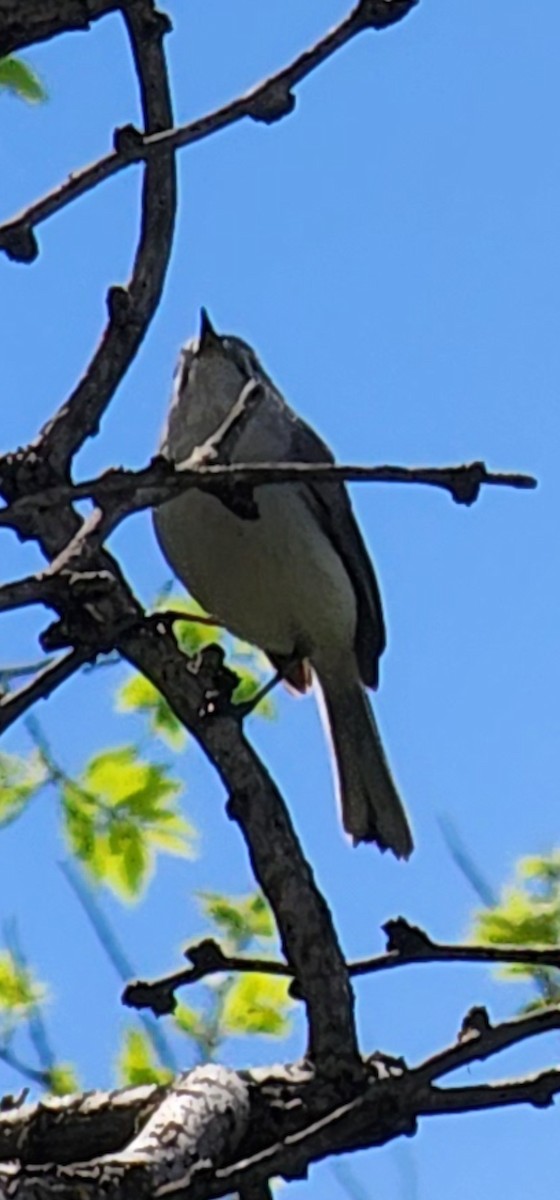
x=275 y=580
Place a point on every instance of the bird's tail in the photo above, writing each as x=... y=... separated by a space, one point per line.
x=371 y=807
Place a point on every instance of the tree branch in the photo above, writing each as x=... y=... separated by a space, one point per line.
x=199 y=692
x=121 y=492
x=539 y=1090
x=304 y=920
x=268 y=101
x=130 y=308
x=214 y=1131
x=24 y=22
x=407 y=944
x=13 y=705
x=479 y=1039
x=34 y=589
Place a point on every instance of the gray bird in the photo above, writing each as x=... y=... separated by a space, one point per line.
x=283 y=567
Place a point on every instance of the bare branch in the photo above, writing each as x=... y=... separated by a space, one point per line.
x=270 y=1122
x=199 y=691
x=207 y=958
x=121 y=492
x=539 y=1090
x=34 y=1074
x=407 y=944
x=306 y=928
x=479 y=1040
x=14 y=704
x=24 y=22
x=131 y=308
x=34 y=589
x=268 y=101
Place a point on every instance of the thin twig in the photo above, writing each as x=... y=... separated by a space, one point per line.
x=22 y=670
x=539 y=1090
x=161 y=481
x=36 y=1023
x=14 y=704
x=269 y=101
x=114 y=951
x=43 y=1078
x=34 y=589
x=408 y=943
x=483 y=1042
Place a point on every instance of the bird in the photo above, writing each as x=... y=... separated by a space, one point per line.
x=283 y=566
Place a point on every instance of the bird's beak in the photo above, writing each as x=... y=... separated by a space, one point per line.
x=207 y=336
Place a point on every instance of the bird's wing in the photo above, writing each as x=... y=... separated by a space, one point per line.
x=331 y=505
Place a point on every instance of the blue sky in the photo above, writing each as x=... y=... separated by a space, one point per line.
x=391 y=249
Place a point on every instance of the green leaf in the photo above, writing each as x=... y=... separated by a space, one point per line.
x=136 y=1062
x=20 y=779
x=528 y=914
x=17 y=77
x=119 y=814
x=544 y=871
x=257 y=1004
x=63 y=1080
x=253 y=669
x=520 y=920
x=137 y=694
x=240 y=918
x=191 y=635
x=248 y=685
x=19 y=991
x=128 y=848
x=188 y=1020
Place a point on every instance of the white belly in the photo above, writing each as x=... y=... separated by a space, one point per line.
x=276 y=581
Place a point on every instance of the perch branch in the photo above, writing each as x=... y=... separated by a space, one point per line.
x=123 y=492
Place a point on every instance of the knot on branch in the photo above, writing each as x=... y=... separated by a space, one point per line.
x=84 y=624
x=155 y=24
x=25 y=472
x=76 y=628
x=272 y=102
x=19 y=243
x=407 y=940
x=159 y=997
x=206 y=957
x=217 y=680
x=119 y=305
x=379 y=14
x=475 y=1023
x=465 y=482
x=128 y=141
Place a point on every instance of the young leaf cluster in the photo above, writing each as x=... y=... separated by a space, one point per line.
x=230 y=1006
x=528 y=914
x=117 y=814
